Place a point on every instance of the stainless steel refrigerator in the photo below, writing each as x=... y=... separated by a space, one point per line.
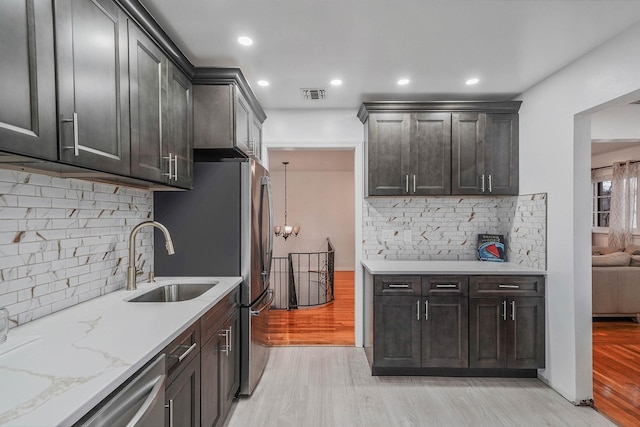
x=223 y=227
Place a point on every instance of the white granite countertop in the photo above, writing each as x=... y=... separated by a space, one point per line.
x=67 y=362
x=446 y=267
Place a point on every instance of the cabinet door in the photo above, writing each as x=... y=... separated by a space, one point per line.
x=211 y=381
x=256 y=138
x=467 y=150
x=179 y=128
x=93 y=86
x=148 y=91
x=445 y=333
x=487 y=333
x=28 y=104
x=396 y=341
x=430 y=154
x=501 y=154
x=182 y=397
x=525 y=336
x=230 y=363
x=389 y=154
x=242 y=125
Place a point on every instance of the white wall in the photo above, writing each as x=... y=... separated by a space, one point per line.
x=555 y=158
x=619 y=122
x=608 y=159
x=321 y=203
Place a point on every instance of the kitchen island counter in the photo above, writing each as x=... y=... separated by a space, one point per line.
x=69 y=361
x=447 y=267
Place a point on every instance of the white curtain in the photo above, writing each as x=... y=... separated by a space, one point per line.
x=624 y=191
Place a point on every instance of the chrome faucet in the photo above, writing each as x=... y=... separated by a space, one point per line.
x=132 y=271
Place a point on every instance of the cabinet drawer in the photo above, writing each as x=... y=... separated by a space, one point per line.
x=487 y=286
x=445 y=285
x=182 y=350
x=397 y=285
x=213 y=319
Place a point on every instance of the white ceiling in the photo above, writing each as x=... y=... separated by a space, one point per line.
x=369 y=44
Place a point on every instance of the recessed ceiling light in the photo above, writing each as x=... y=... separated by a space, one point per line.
x=472 y=81
x=336 y=82
x=403 y=82
x=245 y=41
x=263 y=83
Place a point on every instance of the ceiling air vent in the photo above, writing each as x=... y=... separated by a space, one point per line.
x=313 y=94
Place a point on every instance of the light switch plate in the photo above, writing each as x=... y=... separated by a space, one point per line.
x=407 y=236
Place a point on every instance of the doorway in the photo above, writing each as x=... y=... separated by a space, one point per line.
x=319 y=199
x=615 y=338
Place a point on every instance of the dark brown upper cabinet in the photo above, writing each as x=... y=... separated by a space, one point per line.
x=227 y=116
x=441 y=148
x=28 y=103
x=93 y=85
x=148 y=91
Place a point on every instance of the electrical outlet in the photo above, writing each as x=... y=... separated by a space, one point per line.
x=407 y=236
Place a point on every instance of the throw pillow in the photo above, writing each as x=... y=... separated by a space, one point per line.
x=632 y=249
x=617 y=259
x=604 y=250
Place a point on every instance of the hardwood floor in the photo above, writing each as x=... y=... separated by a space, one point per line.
x=332 y=324
x=616 y=371
x=333 y=386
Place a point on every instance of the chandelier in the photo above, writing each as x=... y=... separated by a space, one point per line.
x=286 y=230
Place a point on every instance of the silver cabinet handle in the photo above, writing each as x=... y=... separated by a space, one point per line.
x=230 y=339
x=170 y=174
x=482 y=185
x=446 y=286
x=399 y=285
x=227 y=346
x=186 y=353
x=418 y=310
x=426 y=309
x=509 y=286
x=76 y=142
x=513 y=310
x=414 y=183
x=490 y=183
x=170 y=406
x=175 y=168
x=407 y=184
x=504 y=310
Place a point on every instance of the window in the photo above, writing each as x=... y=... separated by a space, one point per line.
x=601 y=203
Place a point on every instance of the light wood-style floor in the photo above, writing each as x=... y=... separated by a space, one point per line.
x=333 y=386
x=331 y=324
x=616 y=371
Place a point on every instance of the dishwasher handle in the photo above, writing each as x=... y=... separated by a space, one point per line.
x=139 y=404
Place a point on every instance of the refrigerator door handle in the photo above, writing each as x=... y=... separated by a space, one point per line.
x=266 y=183
x=265 y=306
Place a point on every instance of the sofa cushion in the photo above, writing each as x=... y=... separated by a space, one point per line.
x=635 y=261
x=604 y=250
x=615 y=259
x=632 y=249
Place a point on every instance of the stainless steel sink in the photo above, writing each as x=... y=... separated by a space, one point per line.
x=175 y=292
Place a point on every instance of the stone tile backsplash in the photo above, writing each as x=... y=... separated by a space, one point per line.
x=447 y=228
x=64 y=241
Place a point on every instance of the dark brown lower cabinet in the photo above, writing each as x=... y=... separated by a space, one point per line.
x=458 y=325
x=396 y=341
x=220 y=372
x=445 y=334
x=182 y=397
x=507 y=332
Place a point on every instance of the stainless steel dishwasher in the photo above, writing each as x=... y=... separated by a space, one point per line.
x=139 y=404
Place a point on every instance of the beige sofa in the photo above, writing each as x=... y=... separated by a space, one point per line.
x=616 y=282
